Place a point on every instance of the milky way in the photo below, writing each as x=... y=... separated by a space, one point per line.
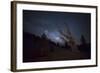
x=39 y=22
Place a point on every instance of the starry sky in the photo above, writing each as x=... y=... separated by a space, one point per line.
x=51 y=22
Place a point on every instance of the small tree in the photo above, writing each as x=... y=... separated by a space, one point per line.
x=44 y=36
x=83 y=40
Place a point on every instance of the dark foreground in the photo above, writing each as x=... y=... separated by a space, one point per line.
x=37 y=49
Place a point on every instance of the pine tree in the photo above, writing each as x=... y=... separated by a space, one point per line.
x=44 y=36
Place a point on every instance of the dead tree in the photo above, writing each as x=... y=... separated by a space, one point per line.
x=67 y=36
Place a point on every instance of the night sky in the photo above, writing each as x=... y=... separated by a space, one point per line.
x=39 y=22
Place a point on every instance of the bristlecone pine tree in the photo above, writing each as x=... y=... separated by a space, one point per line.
x=67 y=36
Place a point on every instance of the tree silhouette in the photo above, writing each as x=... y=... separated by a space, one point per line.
x=43 y=36
x=69 y=38
x=83 y=40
